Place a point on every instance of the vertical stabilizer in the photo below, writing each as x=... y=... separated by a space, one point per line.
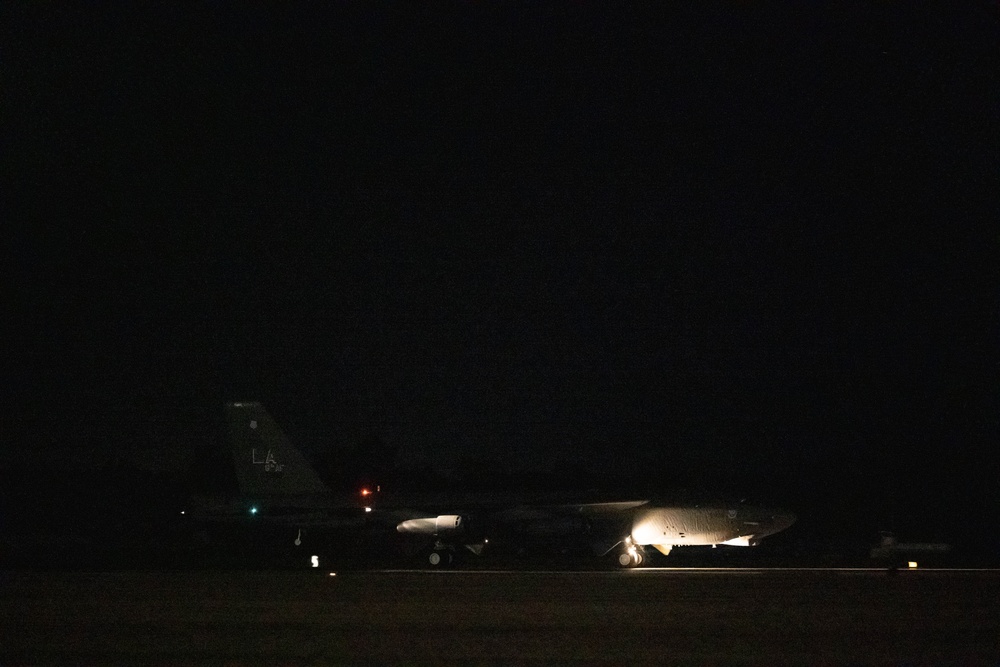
x=266 y=463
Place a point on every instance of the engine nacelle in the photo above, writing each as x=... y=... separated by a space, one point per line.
x=447 y=523
x=444 y=524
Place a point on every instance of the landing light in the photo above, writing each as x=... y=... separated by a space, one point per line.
x=912 y=564
x=253 y=510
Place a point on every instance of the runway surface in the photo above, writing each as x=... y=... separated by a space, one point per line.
x=650 y=616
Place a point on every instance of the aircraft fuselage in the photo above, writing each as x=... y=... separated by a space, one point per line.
x=666 y=527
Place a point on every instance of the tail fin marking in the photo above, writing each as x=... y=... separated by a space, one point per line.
x=266 y=462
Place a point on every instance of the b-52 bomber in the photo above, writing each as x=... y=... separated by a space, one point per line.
x=280 y=488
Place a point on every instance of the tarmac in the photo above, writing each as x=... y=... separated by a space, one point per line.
x=646 y=616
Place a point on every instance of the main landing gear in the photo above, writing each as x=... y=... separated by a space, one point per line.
x=631 y=554
x=447 y=555
x=441 y=558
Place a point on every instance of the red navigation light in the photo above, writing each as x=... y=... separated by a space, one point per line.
x=366 y=492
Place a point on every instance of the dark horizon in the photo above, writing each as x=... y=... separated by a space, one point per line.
x=744 y=248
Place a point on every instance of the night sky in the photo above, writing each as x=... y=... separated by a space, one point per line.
x=745 y=248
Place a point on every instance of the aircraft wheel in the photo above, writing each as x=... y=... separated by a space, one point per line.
x=627 y=559
x=440 y=558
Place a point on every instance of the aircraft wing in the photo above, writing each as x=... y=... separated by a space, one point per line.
x=525 y=519
x=543 y=512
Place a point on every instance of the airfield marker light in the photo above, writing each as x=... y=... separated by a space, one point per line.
x=314 y=560
x=368 y=509
x=912 y=564
x=253 y=510
x=333 y=574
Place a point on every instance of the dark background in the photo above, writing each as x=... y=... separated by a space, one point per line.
x=734 y=248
